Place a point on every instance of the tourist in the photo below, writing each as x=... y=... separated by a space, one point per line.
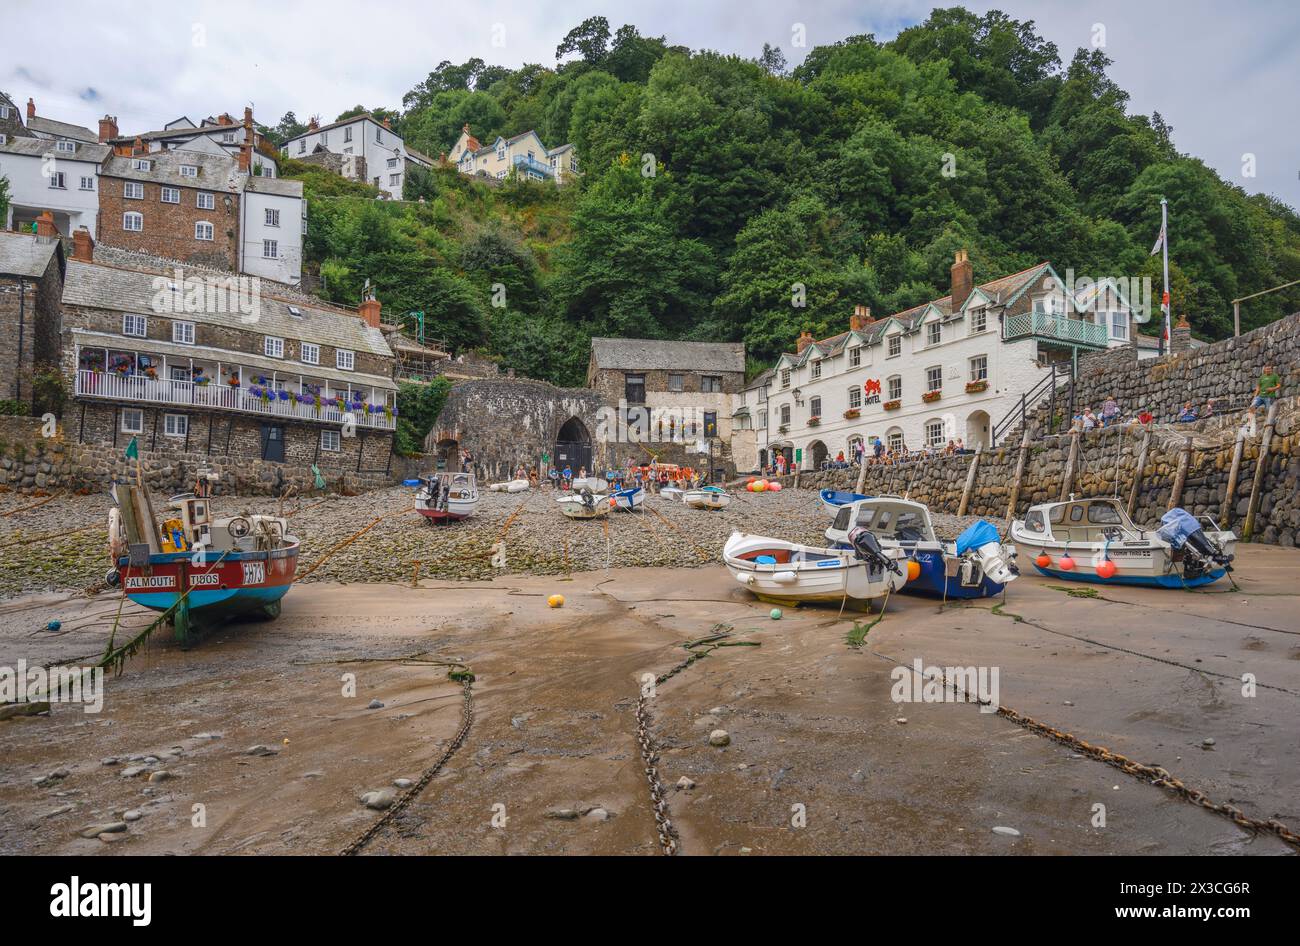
x=1187 y=414
x=568 y=476
x=1209 y=409
x=1109 y=411
x=961 y=447
x=1145 y=417
x=1270 y=382
x=1089 y=420
x=878 y=448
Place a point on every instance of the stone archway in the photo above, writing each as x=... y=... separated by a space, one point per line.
x=573 y=447
x=977 y=430
x=447 y=454
x=816 y=455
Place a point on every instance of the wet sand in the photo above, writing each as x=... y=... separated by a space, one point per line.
x=813 y=728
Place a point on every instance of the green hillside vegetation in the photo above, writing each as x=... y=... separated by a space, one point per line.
x=714 y=184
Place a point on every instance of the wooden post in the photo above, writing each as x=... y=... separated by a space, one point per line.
x=1020 y=475
x=1257 y=486
x=1138 y=471
x=1180 y=479
x=862 y=471
x=970 y=482
x=1230 y=493
x=1070 y=466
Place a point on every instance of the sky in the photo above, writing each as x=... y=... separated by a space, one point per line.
x=1223 y=75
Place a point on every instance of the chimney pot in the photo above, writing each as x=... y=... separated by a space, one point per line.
x=45 y=229
x=107 y=128
x=805 y=339
x=83 y=245
x=369 y=311
x=31 y=108
x=860 y=318
x=963 y=279
x=248 y=116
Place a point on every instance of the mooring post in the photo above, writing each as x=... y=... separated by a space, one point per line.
x=1230 y=492
x=1180 y=478
x=1020 y=474
x=1257 y=486
x=1070 y=465
x=970 y=482
x=862 y=472
x=1138 y=470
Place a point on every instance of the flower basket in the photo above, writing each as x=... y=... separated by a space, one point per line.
x=975 y=387
x=931 y=396
x=814 y=421
x=851 y=413
x=892 y=405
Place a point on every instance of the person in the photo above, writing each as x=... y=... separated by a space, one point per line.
x=568 y=476
x=1089 y=420
x=466 y=460
x=878 y=448
x=521 y=473
x=1109 y=411
x=532 y=478
x=1209 y=409
x=1145 y=416
x=1270 y=382
x=1187 y=414
x=961 y=447
x=839 y=458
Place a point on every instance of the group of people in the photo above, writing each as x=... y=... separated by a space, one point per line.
x=1266 y=392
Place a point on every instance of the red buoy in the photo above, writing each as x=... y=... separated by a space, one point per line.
x=1066 y=563
x=1106 y=569
x=1043 y=561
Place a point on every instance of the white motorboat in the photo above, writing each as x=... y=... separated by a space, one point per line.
x=977 y=565
x=584 y=504
x=631 y=498
x=513 y=486
x=788 y=574
x=671 y=493
x=707 y=497
x=446 y=496
x=1183 y=552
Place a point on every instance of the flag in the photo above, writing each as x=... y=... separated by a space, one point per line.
x=132 y=450
x=1160 y=241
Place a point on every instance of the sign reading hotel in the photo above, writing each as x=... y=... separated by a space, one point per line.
x=872 y=390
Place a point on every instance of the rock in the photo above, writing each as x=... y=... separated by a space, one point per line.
x=562 y=814
x=110 y=827
x=160 y=776
x=902 y=720
x=1208 y=742
x=380 y=800
x=375 y=704
x=207 y=735
x=685 y=784
x=598 y=814
x=402 y=783
x=719 y=738
x=1007 y=832
x=57 y=775
x=131 y=771
x=111 y=760
x=132 y=815
x=151 y=760
x=260 y=750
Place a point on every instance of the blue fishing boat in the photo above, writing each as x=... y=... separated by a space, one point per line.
x=631 y=498
x=976 y=565
x=833 y=500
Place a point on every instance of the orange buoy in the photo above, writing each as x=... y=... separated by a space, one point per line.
x=913 y=569
x=1106 y=569
x=1066 y=563
x=556 y=601
x=760 y=486
x=1043 y=561
x=774 y=487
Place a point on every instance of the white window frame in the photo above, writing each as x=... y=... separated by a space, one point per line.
x=347 y=134
x=894 y=346
x=933 y=334
x=979 y=368
x=785 y=377
x=855 y=356
x=87 y=183
x=176 y=425
x=189 y=170
x=270 y=249
x=855 y=398
x=331 y=441
x=814 y=407
x=815 y=370
x=131 y=320
x=205 y=200
x=128 y=218
x=394 y=179
x=785 y=415
x=199 y=231
x=309 y=353
x=142 y=164
x=894 y=388
x=934 y=378
x=272 y=217
x=67 y=147
x=132 y=412
x=1118 y=325
x=273 y=346
x=183 y=333
x=132 y=190
x=979 y=320
x=173 y=192
x=344 y=359
x=934 y=433
x=58 y=180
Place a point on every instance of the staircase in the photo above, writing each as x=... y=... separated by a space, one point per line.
x=1039 y=404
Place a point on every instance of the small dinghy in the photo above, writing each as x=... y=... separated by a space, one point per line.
x=584 y=504
x=1183 y=553
x=630 y=498
x=707 y=497
x=788 y=574
x=198 y=570
x=672 y=494
x=977 y=565
x=447 y=497
x=513 y=486
x=833 y=500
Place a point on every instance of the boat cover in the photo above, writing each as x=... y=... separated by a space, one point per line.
x=976 y=535
x=1177 y=525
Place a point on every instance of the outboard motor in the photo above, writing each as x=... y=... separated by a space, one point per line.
x=1183 y=533
x=982 y=539
x=867 y=549
x=586 y=497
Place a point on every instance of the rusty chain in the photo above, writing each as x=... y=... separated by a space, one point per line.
x=466 y=678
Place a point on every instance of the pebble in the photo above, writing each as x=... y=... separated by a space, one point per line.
x=719 y=738
x=160 y=776
x=402 y=783
x=380 y=800
x=1208 y=742
x=207 y=735
x=110 y=827
x=562 y=814
x=111 y=760
x=131 y=771
x=1008 y=832
x=260 y=749
x=685 y=784
x=57 y=775
x=132 y=815
x=375 y=704
x=901 y=719
x=598 y=814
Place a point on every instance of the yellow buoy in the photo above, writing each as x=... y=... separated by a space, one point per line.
x=556 y=601
x=913 y=569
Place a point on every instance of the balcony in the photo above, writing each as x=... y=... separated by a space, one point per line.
x=110 y=386
x=1055 y=329
x=524 y=164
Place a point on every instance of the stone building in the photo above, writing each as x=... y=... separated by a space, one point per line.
x=382 y=157
x=31 y=282
x=202 y=363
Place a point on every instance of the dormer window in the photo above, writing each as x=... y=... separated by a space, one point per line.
x=142 y=164
x=979 y=320
x=815 y=369
x=67 y=147
x=895 y=346
x=189 y=170
x=785 y=377
x=934 y=333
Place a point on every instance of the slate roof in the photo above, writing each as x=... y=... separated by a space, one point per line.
x=217 y=172
x=39 y=147
x=364 y=116
x=647 y=354
x=23 y=254
x=262 y=184
x=49 y=126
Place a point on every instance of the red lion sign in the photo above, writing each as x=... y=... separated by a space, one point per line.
x=872 y=386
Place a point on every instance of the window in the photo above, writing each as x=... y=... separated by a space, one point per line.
x=895 y=385
x=142 y=164
x=815 y=370
x=325 y=138
x=785 y=415
x=895 y=440
x=343 y=359
x=710 y=423
x=934 y=379
x=676 y=382
x=814 y=407
x=392 y=162
x=4 y=139
x=347 y=134
x=179 y=373
x=4 y=111
x=133 y=222
x=934 y=333
x=379 y=136
x=273 y=347
x=302 y=145
x=133 y=190
x=855 y=397
x=270 y=249
x=132 y=421
x=634 y=388
x=67 y=147
x=87 y=183
x=310 y=354
x=855 y=356
x=762 y=420
x=203 y=230
x=228 y=137
x=272 y=217
x=176 y=425
x=329 y=440
x=934 y=433
x=979 y=368
x=135 y=325
x=979 y=320
x=785 y=377
x=206 y=201
x=57 y=180
x=183 y=333
x=170 y=195
x=189 y=170
x=895 y=345
x=394 y=180
x=710 y=384
x=501 y=153
x=1119 y=325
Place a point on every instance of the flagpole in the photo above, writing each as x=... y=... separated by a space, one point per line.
x=1164 y=229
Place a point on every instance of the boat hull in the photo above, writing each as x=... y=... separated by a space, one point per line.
x=1173 y=580
x=218 y=589
x=798 y=574
x=706 y=499
x=629 y=499
x=574 y=508
x=833 y=499
x=451 y=514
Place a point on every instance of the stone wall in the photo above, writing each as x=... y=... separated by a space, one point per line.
x=1107 y=463
x=29 y=313
x=351 y=166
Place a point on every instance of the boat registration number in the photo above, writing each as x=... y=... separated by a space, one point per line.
x=153 y=581
x=205 y=580
x=254 y=573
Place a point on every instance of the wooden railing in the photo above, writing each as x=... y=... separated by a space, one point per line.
x=1055 y=327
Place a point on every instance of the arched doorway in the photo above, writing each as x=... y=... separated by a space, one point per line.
x=816 y=455
x=853 y=442
x=573 y=447
x=977 y=430
x=447 y=455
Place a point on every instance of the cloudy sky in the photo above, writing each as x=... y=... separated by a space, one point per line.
x=1224 y=75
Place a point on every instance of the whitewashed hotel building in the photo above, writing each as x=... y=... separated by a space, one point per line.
x=947 y=369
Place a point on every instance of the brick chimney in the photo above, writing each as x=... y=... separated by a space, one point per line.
x=313 y=124
x=1180 y=337
x=45 y=228
x=963 y=280
x=805 y=339
x=31 y=108
x=83 y=245
x=385 y=123
x=369 y=312
x=860 y=318
x=225 y=119
x=107 y=128
x=248 y=116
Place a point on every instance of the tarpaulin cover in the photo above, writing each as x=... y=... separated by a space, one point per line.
x=981 y=533
x=1176 y=525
